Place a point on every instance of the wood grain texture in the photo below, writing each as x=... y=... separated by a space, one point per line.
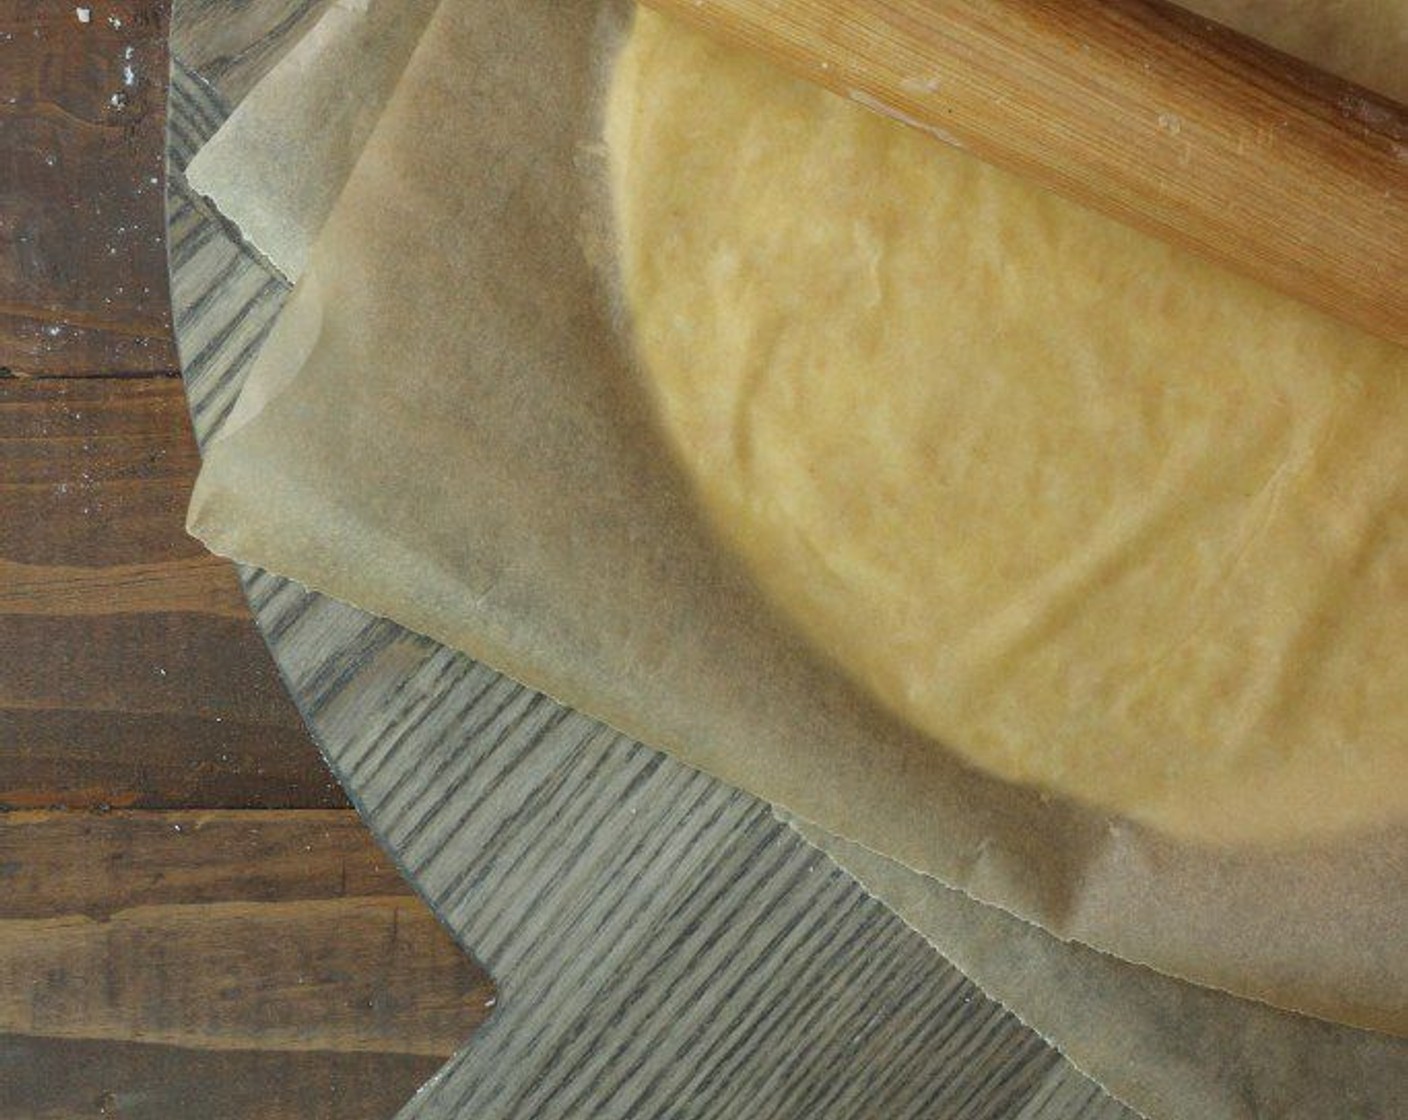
x=83 y=279
x=132 y=675
x=188 y=951
x=233 y=45
x=238 y=965
x=663 y=946
x=95 y=865
x=364 y=975
x=1138 y=109
x=60 y=1079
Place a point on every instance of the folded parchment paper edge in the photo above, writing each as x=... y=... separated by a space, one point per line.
x=278 y=164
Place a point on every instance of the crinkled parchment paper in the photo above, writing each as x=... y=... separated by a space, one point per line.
x=445 y=428
x=1171 y=1050
x=277 y=166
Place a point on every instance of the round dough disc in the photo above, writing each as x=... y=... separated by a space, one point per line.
x=1090 y=512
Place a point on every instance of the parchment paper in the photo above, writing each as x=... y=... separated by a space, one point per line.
x=445 y=429
x=277 y=166
x=1168 y=1049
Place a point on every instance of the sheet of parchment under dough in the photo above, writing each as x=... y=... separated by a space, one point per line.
x=1171 y=1050
x=449 y=433
x=278 y=165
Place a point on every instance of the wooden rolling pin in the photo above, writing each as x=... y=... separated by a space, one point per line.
x=1137 y=108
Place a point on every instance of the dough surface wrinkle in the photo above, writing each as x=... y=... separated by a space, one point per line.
x=1092 y=513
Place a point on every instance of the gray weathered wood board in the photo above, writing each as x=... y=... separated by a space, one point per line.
x=664 y=947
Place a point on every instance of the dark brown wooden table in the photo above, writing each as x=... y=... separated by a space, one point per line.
x=192 y=921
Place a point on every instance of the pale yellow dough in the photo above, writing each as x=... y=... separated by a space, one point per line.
x=1091 y=513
